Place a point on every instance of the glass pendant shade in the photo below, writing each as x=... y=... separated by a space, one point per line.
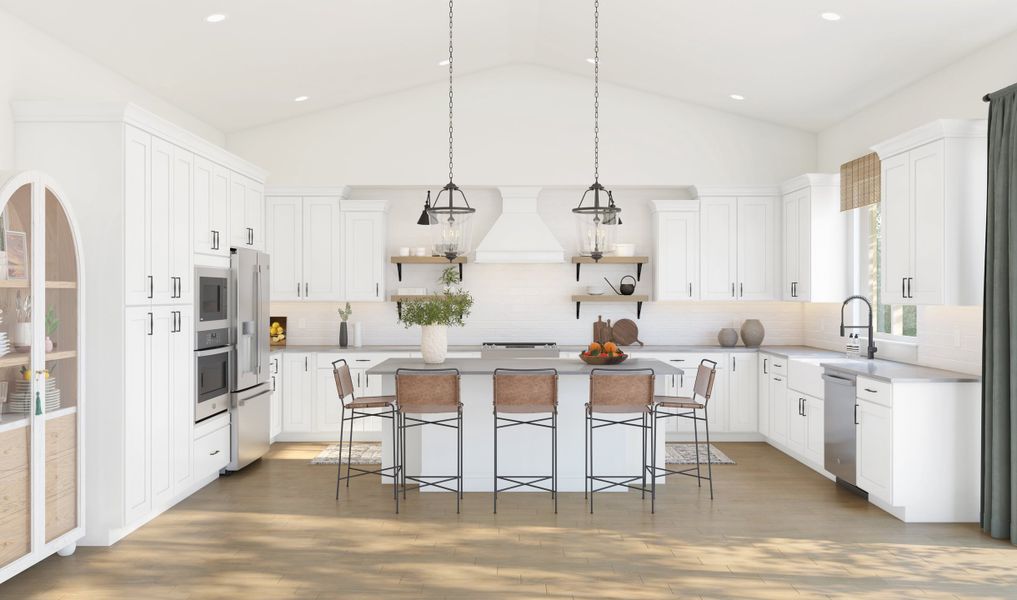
x=596 y=223
x=451 y=224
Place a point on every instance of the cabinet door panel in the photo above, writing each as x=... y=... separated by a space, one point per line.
x=220 y=210
x=874 y=450
x=182 y=397
x=137 y=385
x=162 y=422
x=803 y=283
x=239 y=236
x=928 y=213
x=895 y=229
x=677 y=266
x=327 y=409
x=791 y=240
x=755 y=241
x=160 y=227
x=298 y=393
x=796 y=425
x=322 y=249
x=778 y=409
x=254 y=205
x=744 y=399
x=371 y=386
x=718 y=232
x=763 y=389
x=284 y=244
x=204 y=239
x=364 y=255
x=815 y=435
x=181 y=244
x=137 y=216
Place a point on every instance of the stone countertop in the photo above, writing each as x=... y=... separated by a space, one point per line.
x=486 y=366
x=792 y=352
x=896 y=372
x=565 y=348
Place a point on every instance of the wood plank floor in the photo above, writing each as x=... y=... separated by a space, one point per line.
x=776 y=530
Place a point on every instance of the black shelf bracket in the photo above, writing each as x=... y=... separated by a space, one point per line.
x=639 y=271
x=460 y=272
x=578 y=265
x=399 y=309
x=399 y=270
x=639 y=309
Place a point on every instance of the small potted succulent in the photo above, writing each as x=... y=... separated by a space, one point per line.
x=435 y=314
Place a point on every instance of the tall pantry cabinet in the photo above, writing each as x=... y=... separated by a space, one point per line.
x=152 y=198
x=42 y=411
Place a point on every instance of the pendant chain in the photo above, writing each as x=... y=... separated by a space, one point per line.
x=450 y=97
x=596 y=90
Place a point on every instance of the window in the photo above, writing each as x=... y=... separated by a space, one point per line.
x=890 y=320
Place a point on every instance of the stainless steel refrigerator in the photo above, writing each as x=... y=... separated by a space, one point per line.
x=250 y=391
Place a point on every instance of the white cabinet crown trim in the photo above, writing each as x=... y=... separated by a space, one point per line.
x=55 y=111
x=364 y=205
x=810 y=180
x=930 y=132
x=341 y=191
x=705 y=191
x=659 y=206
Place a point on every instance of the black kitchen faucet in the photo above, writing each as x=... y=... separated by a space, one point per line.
x=872 y=342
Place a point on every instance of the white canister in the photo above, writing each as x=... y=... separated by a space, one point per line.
x=624 y=249
x=22 y=335
x=404 y=251
x=358 y=334
x=420 y=251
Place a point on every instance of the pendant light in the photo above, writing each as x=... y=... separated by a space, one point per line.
x=596 y=223
x=450 y=223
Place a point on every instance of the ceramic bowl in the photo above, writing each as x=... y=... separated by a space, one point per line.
x=603 y=360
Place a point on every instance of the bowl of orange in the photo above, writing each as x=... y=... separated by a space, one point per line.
x=603 y=354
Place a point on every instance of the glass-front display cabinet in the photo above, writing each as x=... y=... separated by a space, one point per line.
x=41 y=407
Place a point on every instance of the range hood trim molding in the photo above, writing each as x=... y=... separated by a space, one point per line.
x=519 y=220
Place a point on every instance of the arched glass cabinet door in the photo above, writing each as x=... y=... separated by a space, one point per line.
x=60 y=378
x=18 y=425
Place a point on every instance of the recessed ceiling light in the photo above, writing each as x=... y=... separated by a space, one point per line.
x=215 y=18
x=443 y=63
x=300 y=99
x=737 y=97
x=592 y=61
x=830 y=16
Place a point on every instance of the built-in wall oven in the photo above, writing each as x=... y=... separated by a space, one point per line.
x=212 y=363
x=211 y=299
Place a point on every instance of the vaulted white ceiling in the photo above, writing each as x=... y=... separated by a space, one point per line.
x=793 y=67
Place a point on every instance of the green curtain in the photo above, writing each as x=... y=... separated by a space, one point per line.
x=999 y=346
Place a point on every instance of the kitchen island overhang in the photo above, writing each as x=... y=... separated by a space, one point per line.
x=521 y=450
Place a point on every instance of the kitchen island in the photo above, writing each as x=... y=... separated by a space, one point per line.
x=521 y=450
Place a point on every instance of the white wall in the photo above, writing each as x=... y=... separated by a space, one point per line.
x=525 y=125
x=38 y=67
x=532 y=302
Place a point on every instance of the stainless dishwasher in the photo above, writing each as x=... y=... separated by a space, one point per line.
x=839 y=419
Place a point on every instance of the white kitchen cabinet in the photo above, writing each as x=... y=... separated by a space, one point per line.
x=743 y=404
x=323 y=249
x=815 y=244
x=137 y=413
x=298 y=392
x=276 y=399
x=874 y=450
x=246 y=212
x=797 y=427
x=327 y=408
x=763 y=391
x=363 y=255
x=211 y=208
x=815 y=439
x=738 y=240
x=284 y=244
x=157 y=220
x=933 y=214
x=676 y=250
x=779 y=409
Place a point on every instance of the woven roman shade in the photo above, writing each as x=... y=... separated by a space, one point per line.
x=859 y=182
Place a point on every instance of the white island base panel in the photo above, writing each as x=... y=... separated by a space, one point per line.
x=522 y=450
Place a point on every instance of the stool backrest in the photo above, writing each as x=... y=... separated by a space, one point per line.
x=343 y=380
x=705 y=376
x=621 y=390
x=525 y=390
x=427 y=390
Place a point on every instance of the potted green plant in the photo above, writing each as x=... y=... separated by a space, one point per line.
x=344 y=315
x=435 y=314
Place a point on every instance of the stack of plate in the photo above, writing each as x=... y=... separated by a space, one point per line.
x=5 y=343
x=21 y=400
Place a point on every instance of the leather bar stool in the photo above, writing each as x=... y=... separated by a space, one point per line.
x=527 y=392
x=671 y=407
x=618 y=392
x=430 y=392
x=362 y=408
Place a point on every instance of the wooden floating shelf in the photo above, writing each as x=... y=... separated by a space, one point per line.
x=18 y=359
x=608 y=298
x=639 y=261
x=399 y=261
x=25 y=284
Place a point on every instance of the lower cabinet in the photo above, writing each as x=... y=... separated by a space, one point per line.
x=298 y=392
x=743 y=397
x=874 y=449
x=276 y=399
x=763 y=392
x=211 y=446
x=779 y=409
x=805 y=431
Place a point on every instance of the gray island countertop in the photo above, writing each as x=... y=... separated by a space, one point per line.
x=487 y=366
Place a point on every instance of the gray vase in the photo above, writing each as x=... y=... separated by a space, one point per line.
x=728 y=337
x=752 y=333
x=344 y=335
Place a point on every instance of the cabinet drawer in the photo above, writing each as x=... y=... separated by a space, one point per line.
x=876 y=391
x=61 y=435
x=776 y=364
x=61 y=474
x=15 y=537
x=212 y=452
x=356 y=360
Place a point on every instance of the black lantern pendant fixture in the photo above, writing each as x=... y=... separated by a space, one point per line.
x=451 y=223
x=598 y=221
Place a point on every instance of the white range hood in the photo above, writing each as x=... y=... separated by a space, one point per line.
x=519 y=235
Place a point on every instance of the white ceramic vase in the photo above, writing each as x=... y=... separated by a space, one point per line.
x=22 y=335
x=434 y=343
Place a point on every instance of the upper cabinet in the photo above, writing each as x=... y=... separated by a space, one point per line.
x=676 y=249
x=738 y=241
x=815 y=240
x=211 y=208
x=246 y=213
x=325 y=248
x=932 y=229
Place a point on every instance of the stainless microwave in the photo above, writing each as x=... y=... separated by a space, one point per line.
x=211 y=298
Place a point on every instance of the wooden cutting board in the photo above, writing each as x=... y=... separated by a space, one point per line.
x=625 y=333
x=601 y=330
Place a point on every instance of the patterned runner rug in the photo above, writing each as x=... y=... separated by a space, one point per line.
x=369 y=453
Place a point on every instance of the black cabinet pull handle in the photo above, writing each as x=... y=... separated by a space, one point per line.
x=690 y=289
x=734 y=364
x=151 y=324
x=741 y=290
x=151 y=286
x=856 y=414
x=305 y=363
x=871 y=391
x=732 y=290
x=765 y=372
x=909 y=287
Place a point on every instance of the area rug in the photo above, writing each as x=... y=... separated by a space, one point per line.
x=369 y=453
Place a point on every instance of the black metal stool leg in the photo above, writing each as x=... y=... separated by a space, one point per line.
x=459 y=459
x=590 y=421
x=709 y=458
x=339 y=469
x=642 y=434
x=554 y=458
x=586 y=458
x=653 y=466
x=395 y=460
x=349 y=452
x=695 y=433
x=495 y=463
